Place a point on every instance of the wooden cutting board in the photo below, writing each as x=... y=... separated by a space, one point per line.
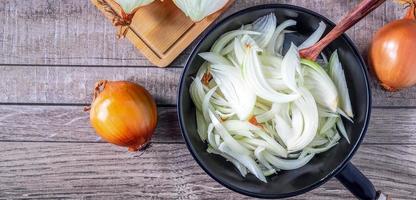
x=160 y=30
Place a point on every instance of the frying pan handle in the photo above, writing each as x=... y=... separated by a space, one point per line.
x=358 y=184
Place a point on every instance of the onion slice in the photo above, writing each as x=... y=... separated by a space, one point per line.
x=287 y=164
x=240 y=98
x=227 y=37
x=252 y=74
x=314 y=38
x=338 y=76
x=215 y=58
x=320 y=85
x=245 y=160
x=236 y=163
x=275 y=43
x=308 y=107
x=342 y=129
x=266 y=26
x=228 y=139
x=202 y=127
x=291 y=64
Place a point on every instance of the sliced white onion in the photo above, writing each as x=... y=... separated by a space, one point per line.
x=237 y=125
x=245 y=160
x=265 y=25
x=286 y=164
x=271 y=112
x=284 y=130
x=211 y=136
x=342 y=129
x=277 y=84
x=236 y=163
x=256 y=142
x=206 y=105
x=342 y=113
x=297 y=121
x=291 y=64
x=227 y=37
x=314 y=38
x=228 y=139
x=318 y=141
x=338 y=76
x=259 y=155
x=276 y=42
x=240 y=98
x=215 y=58
x=266 y=116
x=275 y=146
x=202 y=126
x=270 y=60
x=279 y=44
x=329 y=123
x=274 y=73
x=197 y=93
x=308 y=107
x=320 y=85
x=241 y=133
x=253 y=75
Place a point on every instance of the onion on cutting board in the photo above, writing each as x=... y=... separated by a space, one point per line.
x=199 y=9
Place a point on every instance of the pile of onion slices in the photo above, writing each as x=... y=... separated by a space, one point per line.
x=265 y=111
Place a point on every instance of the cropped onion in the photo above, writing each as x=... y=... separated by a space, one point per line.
x=391 y=52
x=123 y=113
x=199 y=9
x=196 y=10
x=131 y=6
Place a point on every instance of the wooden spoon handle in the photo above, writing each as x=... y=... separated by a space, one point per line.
x=354 y=16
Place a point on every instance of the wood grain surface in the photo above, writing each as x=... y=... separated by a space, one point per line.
x=71 y=124
x=74 y=84
x=62 y=170
x=73 y=32
x=51 y=54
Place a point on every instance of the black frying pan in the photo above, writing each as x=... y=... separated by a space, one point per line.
x=335 y=162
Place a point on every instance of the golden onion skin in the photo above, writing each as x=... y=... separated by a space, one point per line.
x=125 y=114
x=392 y=54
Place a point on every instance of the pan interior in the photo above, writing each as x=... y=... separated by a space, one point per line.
x=322 y=166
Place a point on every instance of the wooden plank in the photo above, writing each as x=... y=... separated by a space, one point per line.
x=73 y=85
x=98 y=171
x=71 y=124
x=73 y=32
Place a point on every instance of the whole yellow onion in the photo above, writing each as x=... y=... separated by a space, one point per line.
x=392 y=52
x=123 y=113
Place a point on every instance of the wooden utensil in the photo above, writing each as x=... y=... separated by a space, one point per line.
x=160 y=30
x=354 y=16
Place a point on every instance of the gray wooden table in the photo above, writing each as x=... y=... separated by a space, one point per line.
x=52 y=52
